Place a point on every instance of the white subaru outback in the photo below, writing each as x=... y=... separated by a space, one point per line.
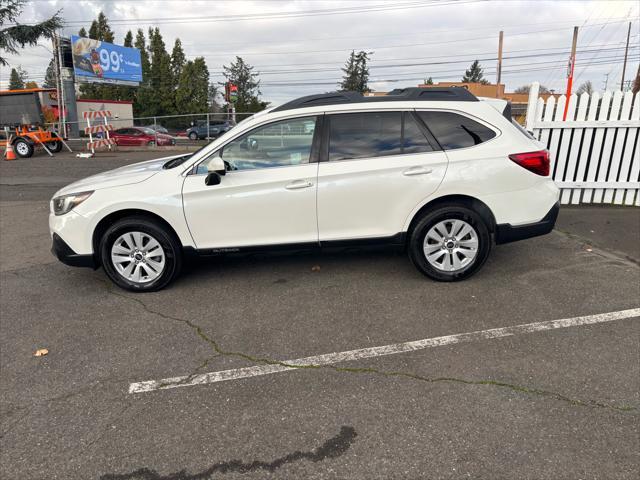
x=435 y=170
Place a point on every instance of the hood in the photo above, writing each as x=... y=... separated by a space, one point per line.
x=134 y=173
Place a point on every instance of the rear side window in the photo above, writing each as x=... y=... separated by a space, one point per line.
x=362 y=135
x=456 y=131
x=374 y=134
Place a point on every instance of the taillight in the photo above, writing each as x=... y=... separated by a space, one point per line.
x=536 y=162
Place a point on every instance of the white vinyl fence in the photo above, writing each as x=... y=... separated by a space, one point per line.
x=595 y=156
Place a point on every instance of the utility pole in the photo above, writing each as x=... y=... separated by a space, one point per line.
x=499 y=76
x=624 y=65
x=54 y=41
x=572 y=63
x=606 y=81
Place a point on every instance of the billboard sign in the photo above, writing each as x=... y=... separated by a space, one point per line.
x=98 y=61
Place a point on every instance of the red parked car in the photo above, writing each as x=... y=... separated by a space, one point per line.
x=141 y=136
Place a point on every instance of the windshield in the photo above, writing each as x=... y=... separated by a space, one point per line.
x=148 y=131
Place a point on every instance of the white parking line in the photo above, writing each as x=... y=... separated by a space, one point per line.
x=337 y=357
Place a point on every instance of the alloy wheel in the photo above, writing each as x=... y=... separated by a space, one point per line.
x=451 y=245
x=138 y=257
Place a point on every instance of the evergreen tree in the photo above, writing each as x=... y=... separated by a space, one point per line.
x=82 y=33
x=474 y=74
x=128 y=39
x=428 y=81
x=100 y=29
x=16 y=35
x=143 y=92
x=17 y=78
x=31 y=84
x=161 y=81
x=50 y=75
x=192 y=94
x=241 y=74
x=178 y=60
x=356 y=72
x=349 y=80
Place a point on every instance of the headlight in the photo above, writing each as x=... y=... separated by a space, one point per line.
x=66 y=203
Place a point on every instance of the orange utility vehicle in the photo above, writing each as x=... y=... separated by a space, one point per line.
x=21 y=116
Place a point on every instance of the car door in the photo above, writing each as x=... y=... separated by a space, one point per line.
x=267 y=196
x=377 y=167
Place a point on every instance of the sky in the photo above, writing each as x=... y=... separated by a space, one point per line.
x=299 y=46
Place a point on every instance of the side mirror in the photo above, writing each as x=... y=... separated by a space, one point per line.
x=213 y=178
x=217 y=165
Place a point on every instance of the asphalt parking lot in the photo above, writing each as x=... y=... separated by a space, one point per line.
x=127 y=390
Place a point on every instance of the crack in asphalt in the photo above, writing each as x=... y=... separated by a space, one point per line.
x=331 y=448
x=601 y=251
x=360 y=370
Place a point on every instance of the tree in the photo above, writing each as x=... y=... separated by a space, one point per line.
x=17 y=77
x=474 y=74
x=241 y=74
x=192 y=94
x=100 y=29
x=31 y=84
x=428 y=81
x=356 y=72
x=128 y=39
x=19 y=35
x=50 y=75
x=586 y=87
x=526 y=88
x=178 y=60
x=162 y=101
x=143 y=92
x=82 y=33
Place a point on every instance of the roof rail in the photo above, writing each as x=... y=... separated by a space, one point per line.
x=433 y=94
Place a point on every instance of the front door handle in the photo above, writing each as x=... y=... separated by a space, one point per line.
x=298 y=184
x=419 y=170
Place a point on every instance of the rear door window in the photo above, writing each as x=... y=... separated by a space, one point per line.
x=456 y=131
x=365 y=135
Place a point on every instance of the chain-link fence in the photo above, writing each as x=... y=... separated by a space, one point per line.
x=157 y=131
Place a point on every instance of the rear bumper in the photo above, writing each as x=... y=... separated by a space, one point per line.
x=506 y=233
x=66 y=255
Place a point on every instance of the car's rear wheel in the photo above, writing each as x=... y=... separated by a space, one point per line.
x=449 y=243
x=151 y=143
x=23 y=148
x=140 y=255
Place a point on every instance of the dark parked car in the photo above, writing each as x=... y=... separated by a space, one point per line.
x=141 y=136
x=216 y=128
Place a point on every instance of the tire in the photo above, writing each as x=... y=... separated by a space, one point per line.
x=55 y=147
x=458 y=245
x=193 y=136
x=150 y=269
x=151 y=144
x=23 y=148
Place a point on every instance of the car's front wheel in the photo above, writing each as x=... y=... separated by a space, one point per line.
x=140 y=255
x=193 y=136
x=449 y=243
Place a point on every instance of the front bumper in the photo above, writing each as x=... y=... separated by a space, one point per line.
x=506 y=233
x=66 y=255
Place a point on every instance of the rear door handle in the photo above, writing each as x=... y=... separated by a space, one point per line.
x=298 y=184
x=417 y=171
